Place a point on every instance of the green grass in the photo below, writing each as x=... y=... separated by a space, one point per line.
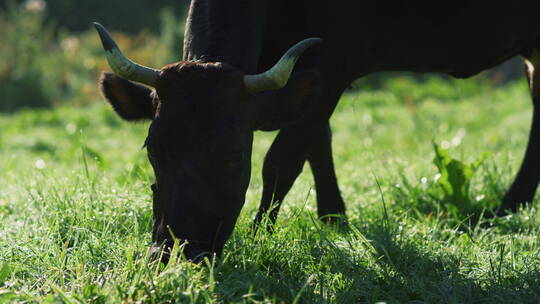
x=75 y=210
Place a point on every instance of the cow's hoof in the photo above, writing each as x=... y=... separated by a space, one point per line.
x=338 y=220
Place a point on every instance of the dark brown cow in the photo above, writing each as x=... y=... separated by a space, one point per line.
x=205 y=108
x=199 y=143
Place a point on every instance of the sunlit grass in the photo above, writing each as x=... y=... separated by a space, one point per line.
x=75 y=211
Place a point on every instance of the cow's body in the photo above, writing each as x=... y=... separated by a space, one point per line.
x=459 y=38
x=200 y=185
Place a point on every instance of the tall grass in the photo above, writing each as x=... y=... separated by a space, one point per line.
x=75 y=212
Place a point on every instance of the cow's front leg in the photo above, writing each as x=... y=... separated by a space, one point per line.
x=282 y=165
x=284 y=162
x=524 y=186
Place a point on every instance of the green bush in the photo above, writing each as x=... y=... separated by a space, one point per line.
x=42 y=65
x=25 y=39
x=127 y=16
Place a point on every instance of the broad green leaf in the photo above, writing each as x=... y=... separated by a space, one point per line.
x=455 y=179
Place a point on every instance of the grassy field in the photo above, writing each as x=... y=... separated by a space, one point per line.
x=75 y=210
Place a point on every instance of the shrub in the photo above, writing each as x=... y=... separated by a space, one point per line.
x=25 y=39
x=127 y=16
x=41 y=65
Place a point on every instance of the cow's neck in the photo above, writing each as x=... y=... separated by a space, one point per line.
x=229 y=31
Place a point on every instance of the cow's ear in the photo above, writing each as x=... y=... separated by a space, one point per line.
x=280 y=108
x=131 y=101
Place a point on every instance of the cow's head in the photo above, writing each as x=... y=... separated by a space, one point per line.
x=199 y=142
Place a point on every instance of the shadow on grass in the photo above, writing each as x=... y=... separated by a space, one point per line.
x=379 y=264
x=414 y=272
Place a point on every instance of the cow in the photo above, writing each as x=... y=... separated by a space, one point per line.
x=205 y=108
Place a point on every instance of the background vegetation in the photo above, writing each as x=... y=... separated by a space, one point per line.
x=77 y=16
x=42 y=65
x=75 y=210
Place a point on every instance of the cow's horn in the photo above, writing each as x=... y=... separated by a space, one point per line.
x=278 y=75
x=121 y=65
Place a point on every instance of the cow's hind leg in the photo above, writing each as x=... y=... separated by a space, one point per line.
x=524 y=186
x=329 y=201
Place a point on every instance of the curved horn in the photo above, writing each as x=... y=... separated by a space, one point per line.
x=278 y=75
x=121 y=65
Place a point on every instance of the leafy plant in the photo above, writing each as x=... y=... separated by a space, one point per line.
x=454 y=180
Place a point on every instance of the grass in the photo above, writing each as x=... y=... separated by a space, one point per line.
x=75 y=210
